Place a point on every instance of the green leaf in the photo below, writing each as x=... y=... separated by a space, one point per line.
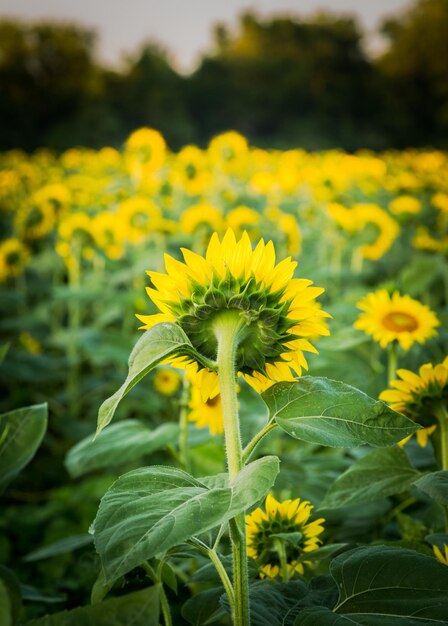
x=204 y=607
x=3 y=351
x=379 y=474
x=148 y=511
x=252 y=484
x=331 y=413
x=390 y=585
x=135 y=609
x=155 y=345
x=5 y=606
x=68 y=544
x=435 y=485
x=21 y=433
x=121 y=443
x=10 y=597
x=293 y=538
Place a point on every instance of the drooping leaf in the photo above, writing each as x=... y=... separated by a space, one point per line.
x=120 y=443
x=140 y=608
x=148 y=511
x=155 y=345
x=10 y=597
x=379 y=474
x=331 y=413
x=68 y=544
x=435 y=485
x=21 y=433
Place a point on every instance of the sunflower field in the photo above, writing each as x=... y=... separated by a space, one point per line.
x=224 y=381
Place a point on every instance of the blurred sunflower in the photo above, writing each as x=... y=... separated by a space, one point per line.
x=167 y=381
x=405 y=204
x=191 y=171
x=275 y=312
x=145 y=151
x=13 y=257
x=279 y=537
x=202 y=218
x=443 y=558
x=243 y=218
x=423 y=397
x=227 y=150
x=396 y=318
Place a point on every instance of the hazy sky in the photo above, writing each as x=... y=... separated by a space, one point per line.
x=183 y=26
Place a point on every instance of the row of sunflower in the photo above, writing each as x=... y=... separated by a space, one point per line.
x=79 y=229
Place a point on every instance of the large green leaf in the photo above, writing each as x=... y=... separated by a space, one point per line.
x=386 y=586
x=322 y=616
x=135 y=609
x=21 y=433
x=435 y=485
x=148 y=511
x=379 y=474
x=331 y=413
x=120 y=443
x=155 y=345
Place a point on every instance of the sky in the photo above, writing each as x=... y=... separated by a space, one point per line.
x=183 y=27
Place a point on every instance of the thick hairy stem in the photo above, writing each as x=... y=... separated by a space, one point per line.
x=228 y=328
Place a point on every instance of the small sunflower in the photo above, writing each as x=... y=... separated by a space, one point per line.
x=443 y=558
x=282 y=532
x=277 y=312
x=167 y=381
x=420 y=396
x=205 y=412
x=13 y=257
x=396 y=318
x=405 y=204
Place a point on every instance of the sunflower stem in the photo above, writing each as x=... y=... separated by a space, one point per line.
x=183 y=426
x=442 y=417
x=253 y=443
x=281 y=551
x=163 y=599
x=228 y=328
x=392 y=363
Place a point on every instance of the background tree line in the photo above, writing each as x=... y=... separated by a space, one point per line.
x=282 y=82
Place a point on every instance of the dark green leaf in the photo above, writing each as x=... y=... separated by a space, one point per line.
x=5 y=606
x=379 y=474
x=68 y=544
x=10 y=597
x=392 y=582
x=150 y=510
x=435 y=485
x=21 y=433
x=135 y=609
x=121 y=443
x=331 y=413
x=204 y=607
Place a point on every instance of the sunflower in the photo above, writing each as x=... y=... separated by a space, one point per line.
x=397 y=318
x=206 y=412
x=280 y=536
x=227 y=150
x=443 y=558
x=191 y=170
x=243 y=218
x=145 y=148
x=167 y=381
x=420 y=396
x=202 y=216
x=277 y=312
x=13 y=257
x=405 y=204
